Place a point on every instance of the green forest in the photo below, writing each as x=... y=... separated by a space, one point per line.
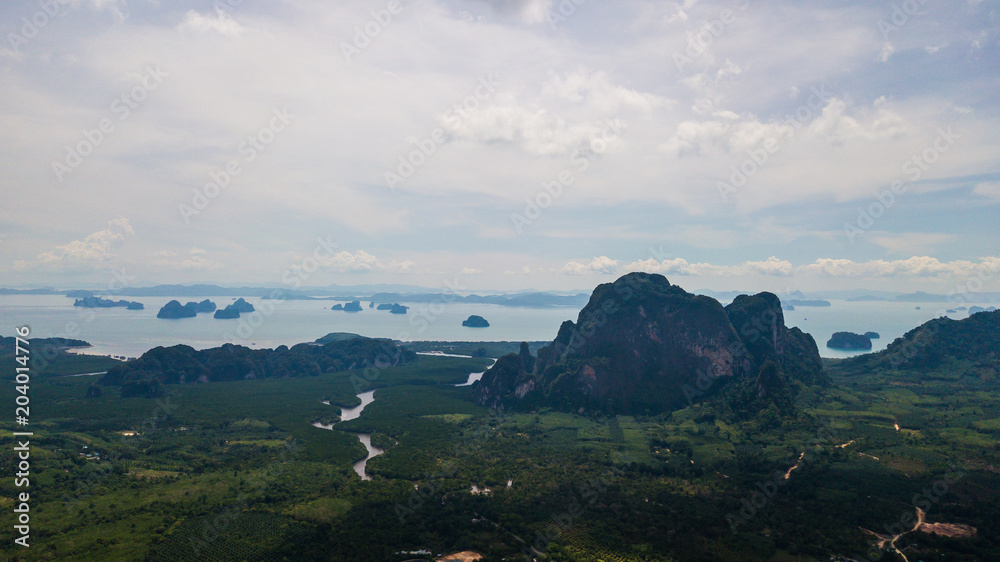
x=234 y=470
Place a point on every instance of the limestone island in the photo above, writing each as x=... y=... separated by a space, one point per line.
x=848 y=341
x=354 y=306
x=98 y=302
x=873 y=335
x=476 y=322
x=173 y=310
x=233 y=311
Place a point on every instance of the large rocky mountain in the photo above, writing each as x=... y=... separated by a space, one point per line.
x=642 y=345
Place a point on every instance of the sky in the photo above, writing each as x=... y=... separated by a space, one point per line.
x=501 y=145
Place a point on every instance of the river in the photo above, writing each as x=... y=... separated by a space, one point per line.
x=347 y=414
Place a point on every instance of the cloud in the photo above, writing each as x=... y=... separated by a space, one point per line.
x=911 y=243
x=470 y=271
x=602 y=265
x=221 y=23
x=95 y=248
x=536 y=131
x=363 y=262
x=917 y=266
x=597 y=91
x=195 y=260
x=404 y=266
x=528 y=11
x=545 y=124
x=526 y=270
x=679 y=266
x=989 y=190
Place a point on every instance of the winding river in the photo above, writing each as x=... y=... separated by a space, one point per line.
x=347 y=414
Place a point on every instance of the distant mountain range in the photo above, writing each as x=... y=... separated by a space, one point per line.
x=531 y=300
x=412 y=293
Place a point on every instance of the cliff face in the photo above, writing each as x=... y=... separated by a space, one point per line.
x=640 y=343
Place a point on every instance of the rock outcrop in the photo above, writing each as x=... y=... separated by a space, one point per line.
x=476 y=322
x=174 y=310
x=849 y=341
x=354 y=306
x=641 y=345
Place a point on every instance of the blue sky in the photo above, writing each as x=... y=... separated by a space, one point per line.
x=546 y=144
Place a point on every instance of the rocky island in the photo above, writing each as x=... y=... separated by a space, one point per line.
x=173 y=310
x=476 y=322
x=234 y=310
x=98 y=302
x=354 y=306
x=849 y=341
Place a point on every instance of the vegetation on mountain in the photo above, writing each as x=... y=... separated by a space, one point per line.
x=98 y=302
x=184 y=365
x=476 y=322
x=234 y=310
x=642 y=345
x=849 y=341
x=174 y=310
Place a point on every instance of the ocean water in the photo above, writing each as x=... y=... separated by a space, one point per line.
x=117 y=331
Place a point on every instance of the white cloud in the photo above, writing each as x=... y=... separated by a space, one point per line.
x=911 y=243
x=917 y=266
x=363 y=262
x=679 y=266
x=221 y=23
x=526 y=270
x=95 y=248
x=597 y=91
x=470 y=271
x=195 y=260
x=602 y=265
x=536 y=131
x=989 y=190
x=887 y=51
x=527 y=11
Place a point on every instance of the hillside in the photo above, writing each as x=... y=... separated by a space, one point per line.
x=966 y=350
x=182 y=364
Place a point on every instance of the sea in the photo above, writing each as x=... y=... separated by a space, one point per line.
x=125 y=333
